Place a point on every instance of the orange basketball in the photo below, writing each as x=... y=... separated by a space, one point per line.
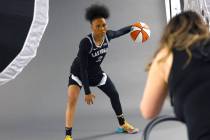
x=140 y=32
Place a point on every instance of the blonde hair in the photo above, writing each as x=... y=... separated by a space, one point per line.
x=181 y=32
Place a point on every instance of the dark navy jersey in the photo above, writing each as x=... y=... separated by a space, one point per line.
x=90 y=56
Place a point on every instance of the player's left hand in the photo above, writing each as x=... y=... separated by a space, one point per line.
x=89 y=98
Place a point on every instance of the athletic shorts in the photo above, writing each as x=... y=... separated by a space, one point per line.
x=98 y=80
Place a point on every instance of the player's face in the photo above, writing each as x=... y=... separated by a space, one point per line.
x=99 y=26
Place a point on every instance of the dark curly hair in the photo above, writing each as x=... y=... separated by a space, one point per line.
x=96 y=11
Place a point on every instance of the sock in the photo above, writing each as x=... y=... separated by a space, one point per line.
x=68 y=130
x=121 y=119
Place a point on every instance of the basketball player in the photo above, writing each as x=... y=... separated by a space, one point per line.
x=86 y=71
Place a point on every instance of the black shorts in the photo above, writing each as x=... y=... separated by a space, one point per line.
x=93 y=81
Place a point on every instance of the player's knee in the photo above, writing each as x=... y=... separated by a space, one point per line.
x=72 y=100
x=73 y=95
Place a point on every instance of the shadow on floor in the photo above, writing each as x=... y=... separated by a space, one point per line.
x=97 y=136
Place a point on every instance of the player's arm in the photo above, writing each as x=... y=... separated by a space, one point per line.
x=84 y=49
x=114 y=34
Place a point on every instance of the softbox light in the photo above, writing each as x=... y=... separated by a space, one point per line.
x=22 y=25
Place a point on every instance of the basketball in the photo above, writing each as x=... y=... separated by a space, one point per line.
x=140 y=32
